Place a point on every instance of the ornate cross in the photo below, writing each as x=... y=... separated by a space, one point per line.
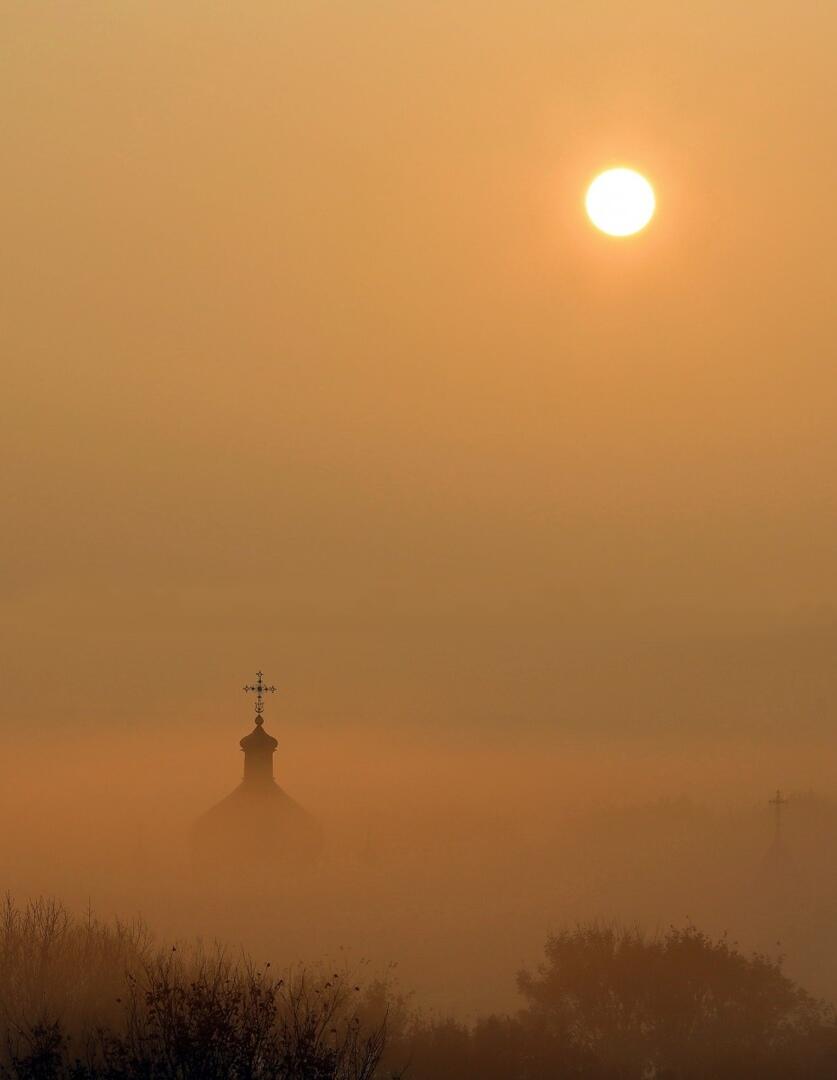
x=259 y=689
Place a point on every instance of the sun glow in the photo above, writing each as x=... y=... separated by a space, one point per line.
x=620 y=202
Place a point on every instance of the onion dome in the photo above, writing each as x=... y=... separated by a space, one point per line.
x=258 y=740
x=258 y=824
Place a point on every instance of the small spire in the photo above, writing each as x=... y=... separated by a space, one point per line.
x=778 y=802
x=259 y=689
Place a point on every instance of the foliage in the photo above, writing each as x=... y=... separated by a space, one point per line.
x=610 y=1003
x=83 y=1000
x=175 y=1015
x=683 y=1005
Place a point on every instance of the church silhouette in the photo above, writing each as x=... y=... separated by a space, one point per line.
x=257 y=824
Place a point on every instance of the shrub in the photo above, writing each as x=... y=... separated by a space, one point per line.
x=82 y=1000
x=609 y=1003
x=683 y=1005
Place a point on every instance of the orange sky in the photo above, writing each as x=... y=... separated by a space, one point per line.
x=312 y=362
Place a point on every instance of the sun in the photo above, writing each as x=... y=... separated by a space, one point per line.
x=620 y=202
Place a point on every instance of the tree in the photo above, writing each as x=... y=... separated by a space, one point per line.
x=679 y=1007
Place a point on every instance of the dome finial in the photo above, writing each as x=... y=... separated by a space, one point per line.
x=259 y=689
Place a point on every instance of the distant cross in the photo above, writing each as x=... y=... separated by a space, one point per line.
x=259 y=689
x=778 y=802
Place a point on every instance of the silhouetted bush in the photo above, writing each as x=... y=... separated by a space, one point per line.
x=610 y=1003
x=52 y=964
x=682 y=1005
x=81 y=1000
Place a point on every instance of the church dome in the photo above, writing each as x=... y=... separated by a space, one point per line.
x=257 y=824
x=258 y=739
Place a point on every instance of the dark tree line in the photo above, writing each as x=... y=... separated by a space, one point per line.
x=81 y=1000
x=84 y=1000
x=608 y=1003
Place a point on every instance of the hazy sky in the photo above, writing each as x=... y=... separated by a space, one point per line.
x=312 y=362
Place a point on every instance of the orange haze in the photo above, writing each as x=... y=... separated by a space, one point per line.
x=312 y=362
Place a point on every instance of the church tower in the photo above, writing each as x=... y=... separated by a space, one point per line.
x=258 y=824
x=258 y=746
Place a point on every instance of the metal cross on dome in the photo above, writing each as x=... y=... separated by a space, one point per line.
x=259 y=689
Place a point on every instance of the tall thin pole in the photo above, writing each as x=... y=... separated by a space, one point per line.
x=778 y=802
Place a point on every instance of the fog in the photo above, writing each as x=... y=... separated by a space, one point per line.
x=445 y=865
x=312 y=363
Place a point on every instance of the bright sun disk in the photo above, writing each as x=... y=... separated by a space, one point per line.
x=620 y=202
